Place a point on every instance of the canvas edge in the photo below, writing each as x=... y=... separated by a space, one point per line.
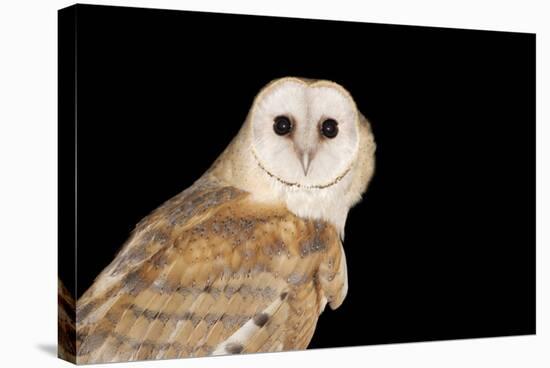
x=66 y=257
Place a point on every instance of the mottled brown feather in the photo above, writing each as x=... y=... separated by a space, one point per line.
x=66 y=332
x=201 y=266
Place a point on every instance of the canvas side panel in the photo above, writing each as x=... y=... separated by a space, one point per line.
x=66 y=183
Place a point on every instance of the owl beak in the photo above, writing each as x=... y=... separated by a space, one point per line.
x=305 y=161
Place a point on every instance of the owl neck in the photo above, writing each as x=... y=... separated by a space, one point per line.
x=323 y=204
x=237 y=167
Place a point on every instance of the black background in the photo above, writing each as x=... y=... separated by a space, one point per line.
x=442 y=246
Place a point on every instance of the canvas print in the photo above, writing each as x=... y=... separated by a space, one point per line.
x=233 y=184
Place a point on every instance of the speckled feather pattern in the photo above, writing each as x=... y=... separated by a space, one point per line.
x=245 y=259
x=199 y=268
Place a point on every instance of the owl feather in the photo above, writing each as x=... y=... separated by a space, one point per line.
x=245 y=259
x=212 y=272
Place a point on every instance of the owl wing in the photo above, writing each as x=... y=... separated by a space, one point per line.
x=210 y=272
x=66 y=333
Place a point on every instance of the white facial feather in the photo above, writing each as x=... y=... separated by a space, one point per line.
x=307 y=107
x=272 y=167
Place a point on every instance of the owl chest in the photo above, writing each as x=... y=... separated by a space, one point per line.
x=261 y=254
x=247 y=242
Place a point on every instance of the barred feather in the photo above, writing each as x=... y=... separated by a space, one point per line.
x=211 y=272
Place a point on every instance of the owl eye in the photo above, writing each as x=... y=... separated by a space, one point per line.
x=329 y=128
x=282 y=125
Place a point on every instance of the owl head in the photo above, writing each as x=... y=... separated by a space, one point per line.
x=304 y=142
x=305 y=134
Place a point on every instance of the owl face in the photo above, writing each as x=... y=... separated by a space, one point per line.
x=305 y=135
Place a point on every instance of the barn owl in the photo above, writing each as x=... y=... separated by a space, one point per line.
x=245 y=259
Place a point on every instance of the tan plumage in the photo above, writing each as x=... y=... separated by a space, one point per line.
x=228 y=265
